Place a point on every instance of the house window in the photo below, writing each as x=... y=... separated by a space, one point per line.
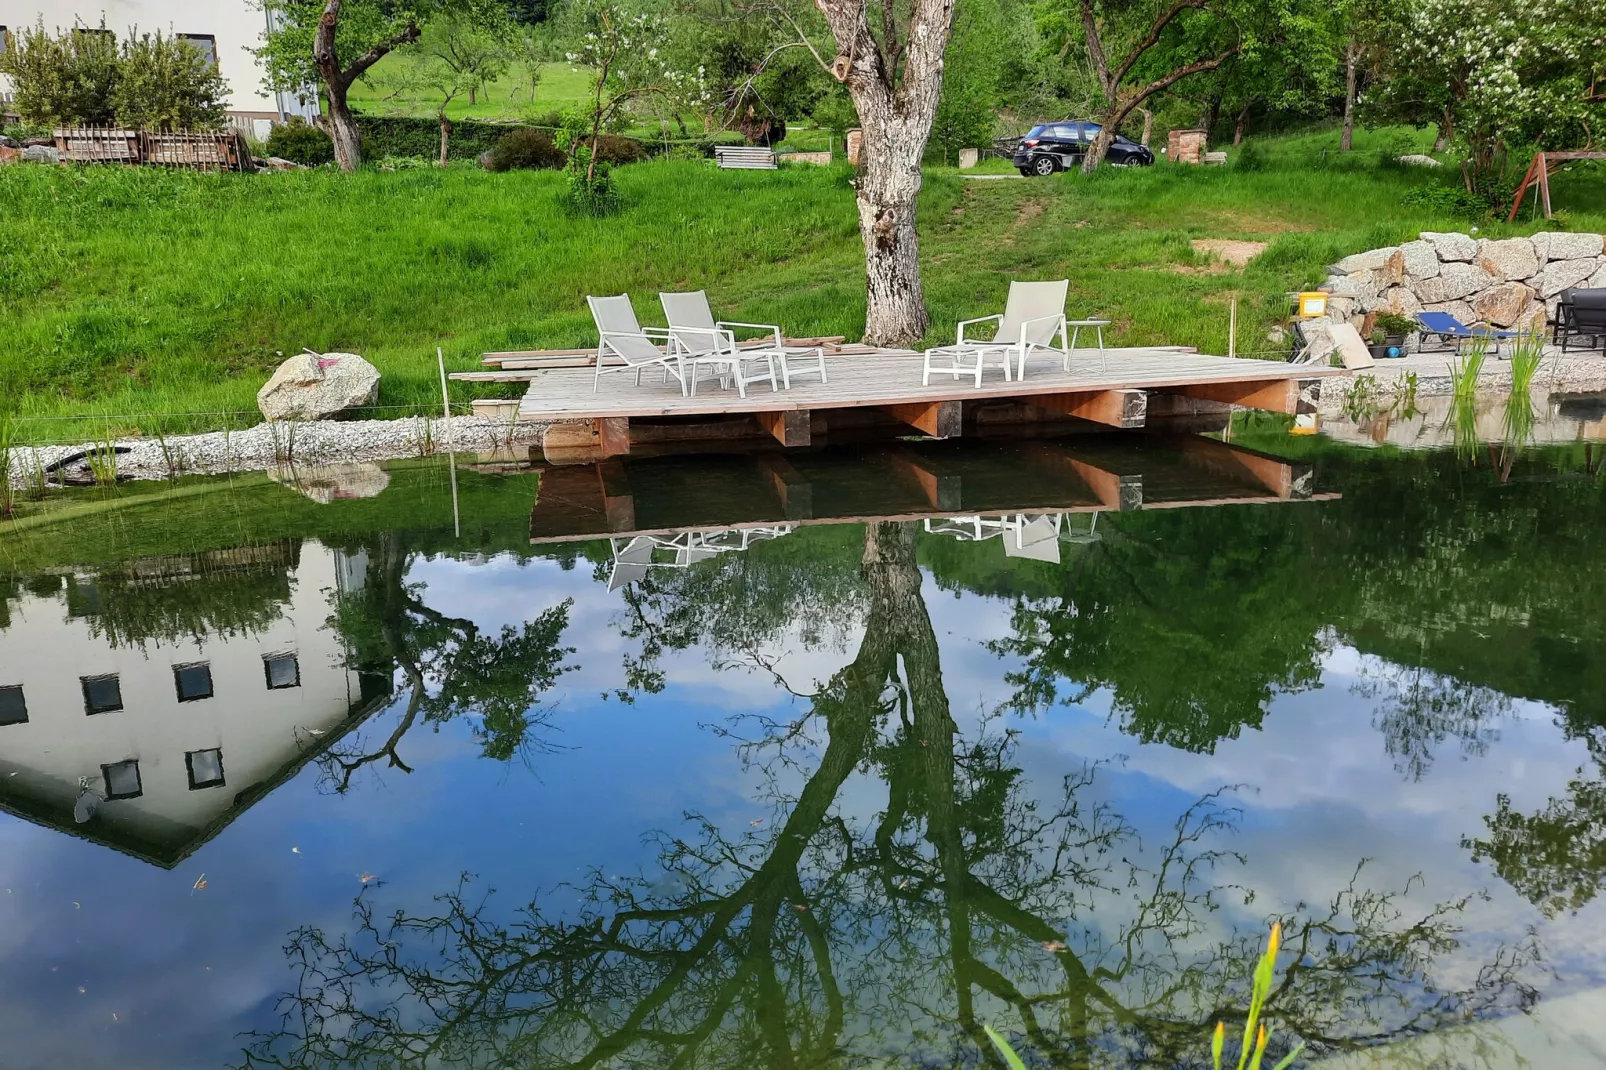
x=5 y=40
x=13 y=710
x=206 y=768
x=102 y=694
x=194 y=682
x=122 y=780
x=283 y=671
x=204 y=43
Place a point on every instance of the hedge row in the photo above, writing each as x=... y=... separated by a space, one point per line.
x=390 y=135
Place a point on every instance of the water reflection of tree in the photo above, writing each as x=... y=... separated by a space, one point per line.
x=1417 y=711
x=448 y=667
x=1190 y=621
x=968 y=898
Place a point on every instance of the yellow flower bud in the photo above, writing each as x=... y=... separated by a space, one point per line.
x=1218 y=1041
x=1276 y=938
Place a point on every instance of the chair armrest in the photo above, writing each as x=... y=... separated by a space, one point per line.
x=1056 y=318
x=770 y=327
x=979 y=319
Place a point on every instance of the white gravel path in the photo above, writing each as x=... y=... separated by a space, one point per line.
x=271 y=445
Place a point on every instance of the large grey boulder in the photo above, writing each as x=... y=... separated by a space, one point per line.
x=1451 y=246
x=1460 y=280
x=1417 y=159
x=1508 y=259
x=1459 y=309
x=1400 y=300
x=41 y=154
x=1370 y=260
x=1560 y=274
x=1421 y=260
x=1560 y=245
x=316 y=386
x=1597 y=281
x=1503 y=305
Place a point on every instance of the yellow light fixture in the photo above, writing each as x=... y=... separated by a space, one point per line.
x=1312 y=304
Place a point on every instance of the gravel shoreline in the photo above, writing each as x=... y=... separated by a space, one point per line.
x=274 y=445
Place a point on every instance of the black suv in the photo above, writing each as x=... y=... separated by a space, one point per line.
x=1050 y=147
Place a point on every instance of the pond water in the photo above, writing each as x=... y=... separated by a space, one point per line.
x=829 y=759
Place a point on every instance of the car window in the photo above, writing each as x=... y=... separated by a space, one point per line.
x=1040 y=130
x=1063 y=131
x=1090 y=131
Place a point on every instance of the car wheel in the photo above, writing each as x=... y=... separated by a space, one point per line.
x=1045 y=166
x=1026 y=172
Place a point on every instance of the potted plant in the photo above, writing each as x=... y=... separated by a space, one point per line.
x=1389 y=332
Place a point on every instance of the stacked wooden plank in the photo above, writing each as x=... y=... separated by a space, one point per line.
x=517 y=366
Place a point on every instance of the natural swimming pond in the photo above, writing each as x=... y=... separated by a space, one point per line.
x=815 y=760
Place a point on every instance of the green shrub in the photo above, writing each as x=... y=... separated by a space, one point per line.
x=1248 y=157
x=1445 y=200
x=614 y=150
x=388 y=135
x=525 y=150
x=66 y=79
x=167 y=83
x=300 y=142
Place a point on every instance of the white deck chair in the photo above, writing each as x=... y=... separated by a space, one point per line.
x=703 y=343
x=689 y=312
x=619 y=335
x=1033 y=318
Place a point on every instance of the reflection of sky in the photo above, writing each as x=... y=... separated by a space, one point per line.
x=170 y=973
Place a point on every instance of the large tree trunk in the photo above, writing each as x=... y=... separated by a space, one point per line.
x=340 y=123
x=342 y=129
x=895 y=113
x=1148 y=127
x=895 y=305
x=1351 y=58
x=446 y=136
x=1241 y=127
x=1207 y=114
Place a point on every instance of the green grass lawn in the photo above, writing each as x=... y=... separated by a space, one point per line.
x=130 y=293
x=557 y=86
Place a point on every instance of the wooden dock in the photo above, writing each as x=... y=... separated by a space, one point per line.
x=1114 y=392
x=665 y=496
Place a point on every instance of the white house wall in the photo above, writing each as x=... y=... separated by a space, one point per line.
x=260 y=731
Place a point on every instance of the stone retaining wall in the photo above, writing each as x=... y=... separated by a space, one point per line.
x=1507 y=282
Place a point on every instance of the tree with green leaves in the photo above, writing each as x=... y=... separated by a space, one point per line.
x=66 y=78
x=968 y=108
x=338 y=42
x=166 y=83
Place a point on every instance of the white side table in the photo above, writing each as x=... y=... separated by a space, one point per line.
x=1076 y=327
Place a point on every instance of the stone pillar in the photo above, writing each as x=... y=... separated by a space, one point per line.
x=1186 y=146
x=968 y=158
x=855 y=143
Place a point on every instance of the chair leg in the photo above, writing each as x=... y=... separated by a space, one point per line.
x=821 y=356
x=786 y=373
x=1103 y=366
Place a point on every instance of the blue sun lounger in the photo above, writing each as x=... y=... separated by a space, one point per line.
x=1451 y=332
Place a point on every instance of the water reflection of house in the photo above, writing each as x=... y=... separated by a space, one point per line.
x=176 y=690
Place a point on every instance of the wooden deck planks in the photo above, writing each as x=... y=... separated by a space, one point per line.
x=893 y=379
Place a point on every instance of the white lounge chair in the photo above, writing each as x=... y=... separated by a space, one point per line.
x=690 y=315
x=1033 y=318
x=620 y=336
x=702 y=343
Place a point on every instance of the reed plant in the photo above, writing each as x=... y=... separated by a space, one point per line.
x=8 y=463
x=1256 y=1035
x=102 y=458
x=1527 y=356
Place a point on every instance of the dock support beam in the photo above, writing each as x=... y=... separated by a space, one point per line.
x=1125 y=409
x=1275 y=395
x=939 y=419
x=618 y=503
x=613 y=435
x=790 y=426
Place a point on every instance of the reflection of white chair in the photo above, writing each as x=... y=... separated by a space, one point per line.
x=633 y=557
x=630 y=563
x=1030 y=535
x=1036 y=538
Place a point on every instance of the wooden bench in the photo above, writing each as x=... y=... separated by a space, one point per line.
x=743 y=157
